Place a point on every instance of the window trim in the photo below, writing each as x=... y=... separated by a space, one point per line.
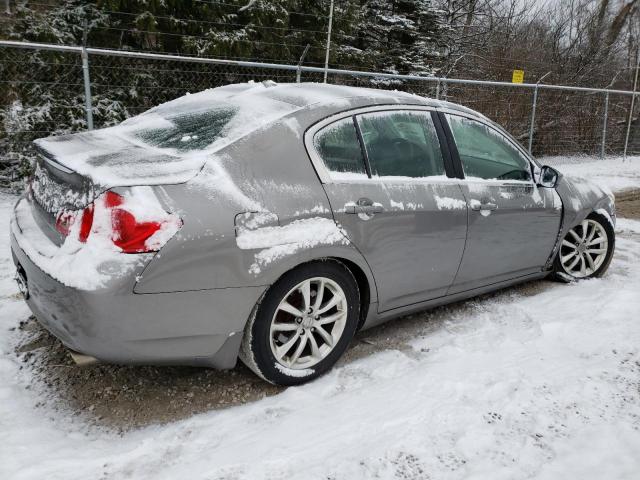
x=363 y=146
x=325 y=174
x=533 y=165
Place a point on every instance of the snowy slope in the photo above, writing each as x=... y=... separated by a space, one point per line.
x=516 y=385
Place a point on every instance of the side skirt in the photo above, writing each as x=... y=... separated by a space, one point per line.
x=376 y=318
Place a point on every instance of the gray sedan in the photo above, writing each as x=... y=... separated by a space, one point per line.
x=271 y=222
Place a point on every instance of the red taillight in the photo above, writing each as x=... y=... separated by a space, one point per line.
x=86 y=223
x=112 y=199
x=64 y=222
x=132 y=235
x=114 y=216
x=129 y=234
x=66 y=219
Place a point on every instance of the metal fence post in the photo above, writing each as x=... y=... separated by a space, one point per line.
x=533 y=116
x=633 y=99
x=87 y=88
x=299 y=69
x=604 y=124
x=87 y=80
x=533 y=110
x=326 y=58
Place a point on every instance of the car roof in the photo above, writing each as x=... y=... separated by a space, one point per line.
x=307 y=94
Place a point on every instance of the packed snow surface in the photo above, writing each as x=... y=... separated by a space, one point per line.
x=540 y=385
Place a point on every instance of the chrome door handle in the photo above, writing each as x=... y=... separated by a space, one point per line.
x=483 y=206
x=361 y=207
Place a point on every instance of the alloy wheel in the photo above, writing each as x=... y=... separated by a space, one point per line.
x=584 y=249
x=308 y=323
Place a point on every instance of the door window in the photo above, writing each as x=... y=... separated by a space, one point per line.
x=338 y=146
x=486 y=153
x=401 y=144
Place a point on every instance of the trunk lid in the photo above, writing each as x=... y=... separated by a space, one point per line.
x=54 y=188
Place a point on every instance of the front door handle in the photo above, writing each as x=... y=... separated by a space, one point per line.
x=363 y=205
x=477 y=206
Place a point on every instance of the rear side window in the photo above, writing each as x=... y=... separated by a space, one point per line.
x=486 y=153
x=401 y=144
x=338 y=146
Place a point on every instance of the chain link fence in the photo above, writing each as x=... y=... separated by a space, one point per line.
x=44 y=94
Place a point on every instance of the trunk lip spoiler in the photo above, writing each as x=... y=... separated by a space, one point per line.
x=51 y=161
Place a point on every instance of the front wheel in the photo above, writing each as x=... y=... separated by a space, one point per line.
x=586 y=250
x=303 y=324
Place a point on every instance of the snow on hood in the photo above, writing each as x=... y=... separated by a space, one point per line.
x=171 y=142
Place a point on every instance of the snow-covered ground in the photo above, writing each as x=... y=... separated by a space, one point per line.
x=516 y=385
x=614 y=172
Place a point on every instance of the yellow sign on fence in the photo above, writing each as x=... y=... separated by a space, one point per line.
x=518 y=76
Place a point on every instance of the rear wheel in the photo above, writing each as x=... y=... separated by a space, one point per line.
x=303 y=324
x=586 y=250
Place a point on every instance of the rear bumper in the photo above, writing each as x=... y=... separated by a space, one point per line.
x=115 y=325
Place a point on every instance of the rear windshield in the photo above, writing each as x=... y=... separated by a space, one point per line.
x=206 y=120
x=189 y=130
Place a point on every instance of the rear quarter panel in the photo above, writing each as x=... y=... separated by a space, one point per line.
x=267 y=172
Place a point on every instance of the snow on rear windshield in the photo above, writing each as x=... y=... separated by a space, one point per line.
x=208 y=119
x=170 y=142
x=190 y=130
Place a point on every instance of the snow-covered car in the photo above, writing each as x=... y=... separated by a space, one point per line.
x=271 y=222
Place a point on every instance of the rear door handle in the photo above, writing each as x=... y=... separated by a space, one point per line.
x=477 y=206
x=362 y=207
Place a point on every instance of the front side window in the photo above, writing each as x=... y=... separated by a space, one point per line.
x=401 y=144
x=338 y=146
x=486 y=153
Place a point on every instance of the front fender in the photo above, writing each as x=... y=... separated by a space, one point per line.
x=580 y=198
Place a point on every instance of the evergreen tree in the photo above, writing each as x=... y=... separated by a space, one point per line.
x=44 y=89
x=400 y=36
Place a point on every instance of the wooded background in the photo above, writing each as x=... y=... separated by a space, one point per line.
x=590 y=43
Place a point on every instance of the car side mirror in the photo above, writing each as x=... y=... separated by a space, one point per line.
x=548 y=177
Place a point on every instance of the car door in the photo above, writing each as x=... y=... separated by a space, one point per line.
x=385 y=177
x=512 y=223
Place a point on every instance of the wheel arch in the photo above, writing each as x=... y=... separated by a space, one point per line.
x=364 y=287
x=364 y=280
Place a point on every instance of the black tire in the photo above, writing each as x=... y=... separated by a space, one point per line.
x=256 y=352
x=559 y=273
